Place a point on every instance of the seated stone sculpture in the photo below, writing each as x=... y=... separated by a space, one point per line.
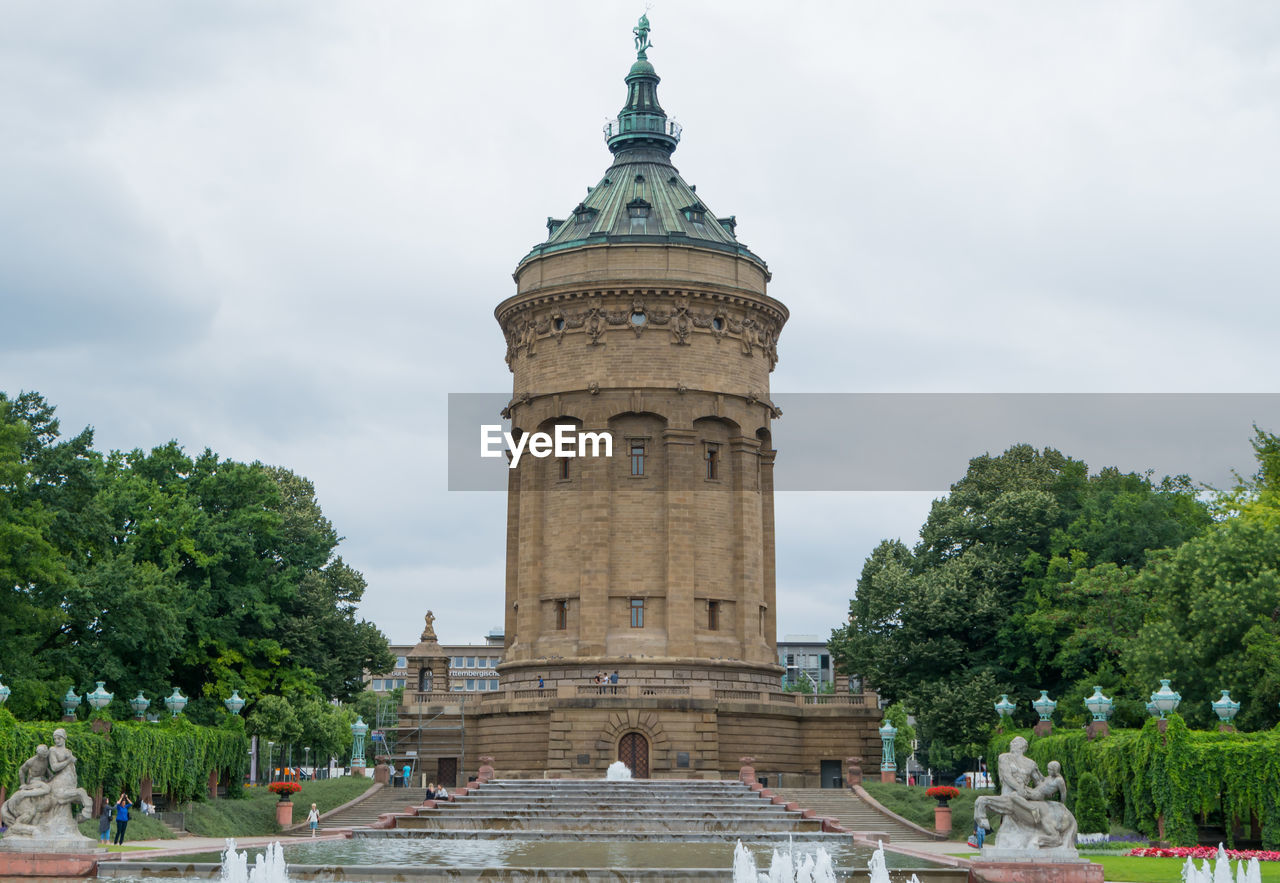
x=1029 y=819
x=43 y=806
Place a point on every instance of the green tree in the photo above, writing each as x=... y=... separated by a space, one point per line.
x=1213 y=623
x=1090 y=808
x=983 y=603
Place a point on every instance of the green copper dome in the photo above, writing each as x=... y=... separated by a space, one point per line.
x=642 y=198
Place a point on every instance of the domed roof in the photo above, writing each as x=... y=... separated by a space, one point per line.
x=641 y=198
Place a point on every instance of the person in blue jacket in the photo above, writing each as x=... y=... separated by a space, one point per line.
x=122 y=816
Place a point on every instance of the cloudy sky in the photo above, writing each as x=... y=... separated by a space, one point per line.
x=279 y=230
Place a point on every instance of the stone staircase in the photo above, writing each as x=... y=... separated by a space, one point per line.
x=853 y=812
x=568 y=809
x=367 y=811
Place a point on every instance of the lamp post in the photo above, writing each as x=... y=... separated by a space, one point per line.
x=140 y=704
x=234 y=703
x=1004 y=708
x=1044 y=707
x=307 y=760
x=271 y=767
x=1100 y=707
x=70 y=703
x=175 y=702
x=888 y=766
x=1226 y=710
x=358 y=731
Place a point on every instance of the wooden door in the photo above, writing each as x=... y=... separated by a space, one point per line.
x=447 y=772
x=633 y=750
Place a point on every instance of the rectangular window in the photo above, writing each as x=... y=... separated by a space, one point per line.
x=564 y=468
x=377 y=684
x=493 y=685
x=457 y=662
x=637 y=458
x=402 y=662
x=713 y=615
x=400 y=682
x=637 y=613
x=471 y=683
x=713 y=461
x=562 y=615
x=471 y=662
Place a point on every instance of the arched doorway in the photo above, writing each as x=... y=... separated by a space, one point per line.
x=633 y=750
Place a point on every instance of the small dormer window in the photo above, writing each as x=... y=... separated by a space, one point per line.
x=584 y=216
x=638 y=212
x=696 y=214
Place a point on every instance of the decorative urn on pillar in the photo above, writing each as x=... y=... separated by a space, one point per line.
x=1164 y=702
x=888 y=766
x=1100 y=707
x=70 y=703
x=1225 y=708
x=1004 y=708
x=1044 y=707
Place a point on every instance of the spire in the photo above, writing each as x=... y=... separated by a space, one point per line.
x=642 y=123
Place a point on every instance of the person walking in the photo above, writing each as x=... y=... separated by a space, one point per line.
x=122 y=816
x=104 y=823
x=313 y=819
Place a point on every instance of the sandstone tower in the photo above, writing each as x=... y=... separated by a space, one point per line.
x=642 y=314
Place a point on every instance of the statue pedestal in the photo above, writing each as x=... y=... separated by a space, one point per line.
x=42 y=863
x=1033 y=868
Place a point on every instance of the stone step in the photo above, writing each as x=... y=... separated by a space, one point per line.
x=621 y=825
x=853 y=813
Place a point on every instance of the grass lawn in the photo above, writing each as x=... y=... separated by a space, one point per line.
x=256 y=813
x=1135 y=869
x=910 y=802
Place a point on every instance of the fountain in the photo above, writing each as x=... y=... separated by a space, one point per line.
x=1220 y=871
x=618 y=772
x=808 y=867
x=269 y=867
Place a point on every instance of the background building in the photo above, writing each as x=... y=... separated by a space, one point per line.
x=472 y=667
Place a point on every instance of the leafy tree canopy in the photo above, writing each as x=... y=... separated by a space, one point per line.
x=154 y=569
x=1009 y=588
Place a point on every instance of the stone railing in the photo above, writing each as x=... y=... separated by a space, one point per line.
x=834 y=698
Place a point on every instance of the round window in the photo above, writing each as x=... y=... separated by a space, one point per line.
x=718 y=323
x=558 y=323
x=637 y=318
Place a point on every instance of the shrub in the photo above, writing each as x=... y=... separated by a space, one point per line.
x=1091 y=809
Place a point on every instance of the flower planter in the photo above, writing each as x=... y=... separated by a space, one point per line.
x=942 y=818
x=284 y=813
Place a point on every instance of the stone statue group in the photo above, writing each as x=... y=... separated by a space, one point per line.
x=43 y=805
x=1031 y=820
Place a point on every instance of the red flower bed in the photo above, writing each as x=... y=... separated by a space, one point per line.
x=284 y=789
x=942 y=792
x=1202 y=852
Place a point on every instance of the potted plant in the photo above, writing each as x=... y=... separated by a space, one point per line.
x=942 y=812
x=284 y=809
